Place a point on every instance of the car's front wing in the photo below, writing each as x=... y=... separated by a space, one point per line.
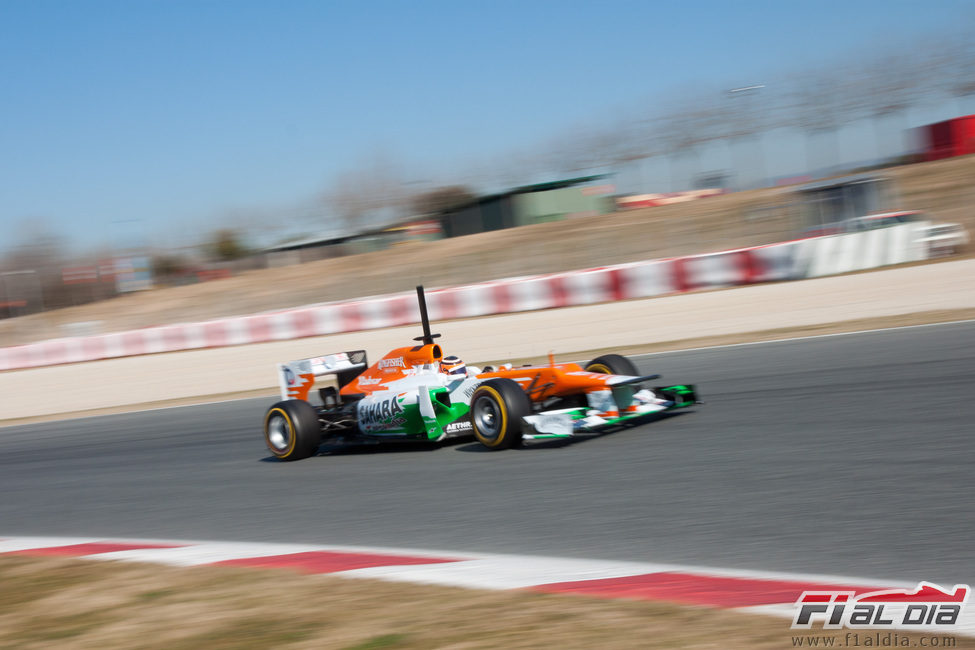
x=565 y=423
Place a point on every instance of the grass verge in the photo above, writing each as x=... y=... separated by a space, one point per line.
x=63 y=603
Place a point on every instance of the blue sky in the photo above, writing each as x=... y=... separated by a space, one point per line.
x=172 y=117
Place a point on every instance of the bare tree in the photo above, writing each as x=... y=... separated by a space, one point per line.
x=886 y=87
x=633 y=141
x=375 y=190
x=689 y=121
x=170 y=268
x=570 y=151
x=819 y=102
x=31 y=271
x=956 y=66
x=748 y=112
x=510 y=169
x=594 y=149
x=227 y=245
x=440 y=199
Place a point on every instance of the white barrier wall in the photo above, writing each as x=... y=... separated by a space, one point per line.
x=566 y=332
x=799 y=259
x=858 y=251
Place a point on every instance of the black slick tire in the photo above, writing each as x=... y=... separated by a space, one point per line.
x=497 y=407
x=291 y=430
x=613 y=364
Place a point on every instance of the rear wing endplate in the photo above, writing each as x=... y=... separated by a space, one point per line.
x=295 y=378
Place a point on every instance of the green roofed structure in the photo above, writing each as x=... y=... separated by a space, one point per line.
x=521 y=206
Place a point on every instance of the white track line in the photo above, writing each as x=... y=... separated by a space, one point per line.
x=808 y=338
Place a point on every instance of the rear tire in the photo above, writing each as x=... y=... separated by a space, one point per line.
x=613 y=364
x=497 y=407
x=292 y=430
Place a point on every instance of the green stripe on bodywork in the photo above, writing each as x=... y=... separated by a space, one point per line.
x=444 y=414
x=419 y=427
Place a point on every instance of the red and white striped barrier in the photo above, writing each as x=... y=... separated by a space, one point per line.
x=784 y=261
x=590 y=286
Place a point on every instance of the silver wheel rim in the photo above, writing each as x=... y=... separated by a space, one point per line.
x=278 y=433
x=487 y=417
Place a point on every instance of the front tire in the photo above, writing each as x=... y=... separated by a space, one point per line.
x=613 y=364
x=292 y=430
x=497 y=407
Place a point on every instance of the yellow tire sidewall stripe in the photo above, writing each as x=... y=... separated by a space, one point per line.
x=291 y=429
x=503 y=433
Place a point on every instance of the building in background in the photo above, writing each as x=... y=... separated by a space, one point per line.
x=954 y=137
x=522 y=206
x=310 y=249
x=830 y=206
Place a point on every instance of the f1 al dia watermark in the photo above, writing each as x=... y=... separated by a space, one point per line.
x=928 y=605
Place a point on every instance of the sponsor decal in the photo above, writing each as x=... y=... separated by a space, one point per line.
x=380 y=412
x=289 y=375
x=369 y=381
x=329 y=362
x=553 y=423
x=928 y=605
x=459 y=426
x=395 y=362
x=469 y=391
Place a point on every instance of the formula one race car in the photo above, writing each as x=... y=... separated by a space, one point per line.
x=415 y=393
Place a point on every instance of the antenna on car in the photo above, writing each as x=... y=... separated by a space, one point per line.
x=427 y=337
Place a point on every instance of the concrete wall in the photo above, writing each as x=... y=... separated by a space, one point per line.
x=566 y=332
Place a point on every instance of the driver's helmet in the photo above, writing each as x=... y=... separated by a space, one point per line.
x=453 y=366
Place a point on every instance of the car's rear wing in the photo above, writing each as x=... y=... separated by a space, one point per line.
x=296 y=377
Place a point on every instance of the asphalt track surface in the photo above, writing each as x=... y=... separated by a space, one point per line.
x=848 y=455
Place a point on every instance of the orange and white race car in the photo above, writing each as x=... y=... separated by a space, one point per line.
x=416 y=393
